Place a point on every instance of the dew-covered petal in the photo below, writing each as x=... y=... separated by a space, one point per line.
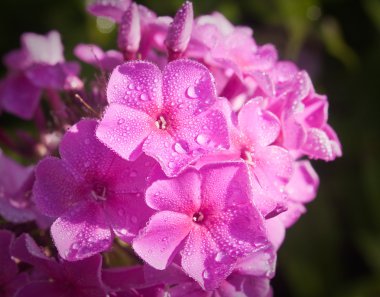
x=180 y=194
x=158 y=242
x=109 y=8
x=293 y=134
x=19 y=96
x=261 y=263
x=56 y=189
x=8 y=268
x=83 y=152
x=46 y=49
x=129 y=35
x=304 y=183
x=292 y=214
x=259 y=126
x=251 y=286
x=224 y=185
x=124 y=130
x=188 y=89
x=81 y=232
x=276 y=162
x=179 y=31
x=172 y=155
x=136 y=85
x=130 y=177
x=316 y=111
x=127 y=214
x=276 y=231
x=318 y=145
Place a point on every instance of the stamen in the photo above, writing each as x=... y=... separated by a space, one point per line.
x=198 y=217
x=247 y=157
x=99 y=193
x=161 y=123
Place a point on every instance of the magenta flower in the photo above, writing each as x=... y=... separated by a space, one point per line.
x=10 y=278
x=207 y=216
x=16 y=184
x=58 y=278
x=39 y=64
x=95 y=56
x=112 y=9
x=174 y=116
x=92 y=192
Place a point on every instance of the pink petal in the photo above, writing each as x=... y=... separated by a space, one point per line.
x=158 y=242
x=188 y=89
x=265 y=57
x=292 y=214
x=123 y=278
x=304 y=183
x=109 y=8
x=294 y=134
x=261 y=263
x=19 y=96
x=56 y=189
x=179 y=32
x=276 y=162
x=129 y=34
x=136 y=85
x=181 y=194
x=316 y=111
x=275 y=231
x=47 y=76
x=259 y=126
x=16 y=60
x=81 y=232
x=318 y=145
x=43 y=288
x=127 y=214
x=124 y=130
x=83 y=152
x=47 y=49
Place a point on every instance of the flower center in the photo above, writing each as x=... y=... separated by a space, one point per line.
x=99 y=192
x=161 y=123
x=198 y=217
x=246 y=155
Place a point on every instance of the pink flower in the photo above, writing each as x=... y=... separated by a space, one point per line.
x=92 y=192
x=207 y=216
x=174 y=116
x=58 y=278
x=112 y=9
x=39 y=64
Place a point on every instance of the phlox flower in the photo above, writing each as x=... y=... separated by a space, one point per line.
x=38 y=64
x=92 y=193
x=207 y=216
x=58 y=278
x=173 y=116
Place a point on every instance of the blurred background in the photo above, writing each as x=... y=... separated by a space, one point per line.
x=334 y=250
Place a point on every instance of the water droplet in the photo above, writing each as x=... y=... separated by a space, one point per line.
x=171 y=165
x=131 y=86
x=121 y=121
x=201 y=139
x=191 y=92
x=144 y=97
x=164 y=239
x=123 y=231
x=206 y=274
x=179 y=148
x=75 y=246
x=219 y=257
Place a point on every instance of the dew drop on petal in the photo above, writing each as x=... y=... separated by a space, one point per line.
x=171 y=165
x=179 y=148
x=206 y=274
x=121 y=121
x=144 y=97
x=219 y=257
x=201 y=139
x=191 y=92
x=131 y=86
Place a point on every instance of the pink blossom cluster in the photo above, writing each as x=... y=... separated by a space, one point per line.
x=188 y=154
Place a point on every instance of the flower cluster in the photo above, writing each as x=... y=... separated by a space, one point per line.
x=186 y=159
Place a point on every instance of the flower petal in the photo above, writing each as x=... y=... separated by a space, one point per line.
x=81 y=232
x=159 y=240
x=259 y=126
x=136 y=85
x=56 y=189
x=181 y=194
x=124 y=130
x=19 y=96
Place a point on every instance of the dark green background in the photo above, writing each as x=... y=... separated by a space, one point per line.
x=334 y=250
